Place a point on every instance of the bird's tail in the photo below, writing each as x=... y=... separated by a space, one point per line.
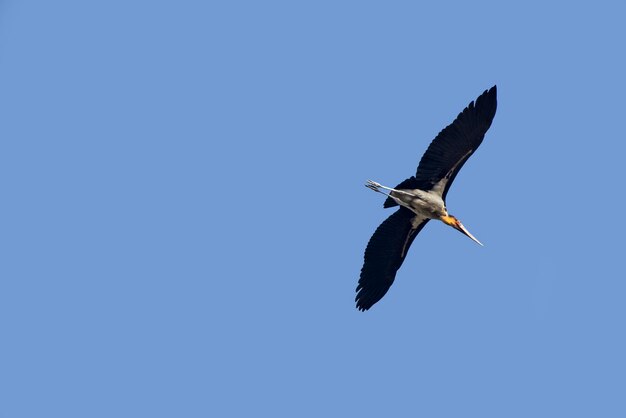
x=410 y=183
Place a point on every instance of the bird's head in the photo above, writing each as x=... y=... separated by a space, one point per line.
x=456 y=224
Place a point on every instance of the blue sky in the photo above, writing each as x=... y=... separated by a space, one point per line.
x=184 y=217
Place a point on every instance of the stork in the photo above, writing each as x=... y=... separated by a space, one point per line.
x=421 y=198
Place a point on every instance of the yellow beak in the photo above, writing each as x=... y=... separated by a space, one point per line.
x=456 y=224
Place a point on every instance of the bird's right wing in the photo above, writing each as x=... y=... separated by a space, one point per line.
x=384 y=255
x=452 y=147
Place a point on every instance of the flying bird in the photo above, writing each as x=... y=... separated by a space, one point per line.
x=421 y=198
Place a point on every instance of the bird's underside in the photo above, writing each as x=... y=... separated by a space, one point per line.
x=421 y=198
x=425 y=203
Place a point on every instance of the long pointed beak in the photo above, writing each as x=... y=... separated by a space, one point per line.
x=464 y=230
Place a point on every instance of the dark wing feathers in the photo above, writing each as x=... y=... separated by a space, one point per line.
x=384 y=255
x=443 y=159
x=456 y=143
x=453 y=146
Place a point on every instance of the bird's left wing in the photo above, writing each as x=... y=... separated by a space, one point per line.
x=384 y=255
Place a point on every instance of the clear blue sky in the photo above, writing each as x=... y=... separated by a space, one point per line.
x=184 y=217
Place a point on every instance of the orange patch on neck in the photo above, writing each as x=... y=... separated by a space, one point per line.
x=449 y=220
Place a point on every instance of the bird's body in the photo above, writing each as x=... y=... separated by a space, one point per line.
x=422 y=198
x=425 y=203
